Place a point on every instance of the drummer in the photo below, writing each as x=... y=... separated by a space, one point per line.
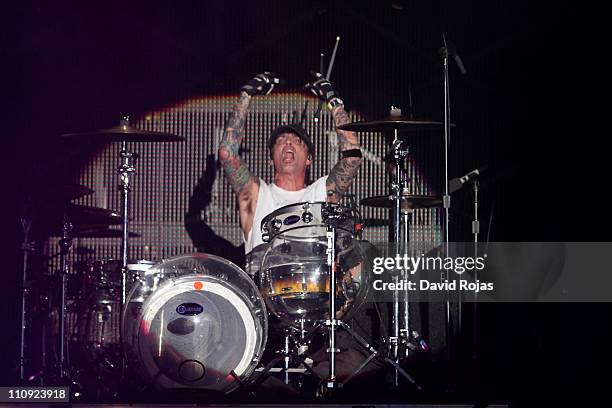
x=291 y=153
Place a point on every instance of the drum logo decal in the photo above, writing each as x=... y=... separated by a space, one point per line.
x=292 y=219
x=189 y=309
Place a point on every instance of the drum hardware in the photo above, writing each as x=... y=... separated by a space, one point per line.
x=398 y=186
x=125 y=133
x=27 y=247
x=402 y=203
x=67 y=220
x=283 y=268
x=65 y=244
x=294 y=356
x=332 y=324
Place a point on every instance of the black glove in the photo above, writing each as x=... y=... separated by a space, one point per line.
x=261 y=84
x=322 y=88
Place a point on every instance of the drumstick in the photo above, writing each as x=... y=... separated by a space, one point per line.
x=333 y=58
x=329 y=71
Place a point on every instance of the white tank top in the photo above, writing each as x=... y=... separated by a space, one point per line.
x=271 y=197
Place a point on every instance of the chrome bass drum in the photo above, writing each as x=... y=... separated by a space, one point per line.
x=195 y=321
x=294 y=276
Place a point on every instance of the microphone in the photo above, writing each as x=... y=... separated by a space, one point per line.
x=458 y=182
x=450 y=50
x=424 y=346
x=471 y=175
x=459 y=64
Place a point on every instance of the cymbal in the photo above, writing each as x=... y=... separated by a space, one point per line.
x=82 y=215
x=74 y=191
x=408 y=201
x=100 y=232
x=376 y=222
x=125 y=132
x=401 y=123
x=60 y=193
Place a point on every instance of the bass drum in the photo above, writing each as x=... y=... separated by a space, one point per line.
x=195 y=321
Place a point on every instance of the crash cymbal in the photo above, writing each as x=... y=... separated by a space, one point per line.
x=125 y=132
x=401 y=123
x=409 y=201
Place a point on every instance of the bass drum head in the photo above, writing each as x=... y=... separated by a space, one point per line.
x=195 y=321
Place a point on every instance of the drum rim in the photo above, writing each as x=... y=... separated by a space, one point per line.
x=131 y=331
x=267 y=218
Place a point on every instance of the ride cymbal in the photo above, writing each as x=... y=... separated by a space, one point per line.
x=401 y=123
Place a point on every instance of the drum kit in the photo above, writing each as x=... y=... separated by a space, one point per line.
x=198 y=321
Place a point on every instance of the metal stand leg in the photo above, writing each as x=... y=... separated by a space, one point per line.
x=331 y=323
x=65 y=245
x=125 y=170
x=26 y=247
x=374 y=354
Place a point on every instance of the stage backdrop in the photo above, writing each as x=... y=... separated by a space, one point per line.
x=181 y=201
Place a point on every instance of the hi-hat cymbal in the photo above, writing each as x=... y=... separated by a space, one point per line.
x=408 y=202
x=125 y=132
x=81 y=215
x=401 y=123
x=100 y=232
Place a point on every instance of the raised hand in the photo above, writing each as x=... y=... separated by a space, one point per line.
x=261 y=84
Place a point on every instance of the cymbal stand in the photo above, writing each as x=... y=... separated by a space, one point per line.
x=400 y=152
x=405 y=331
x=65 y=244
x=331 y=218
x=125 y=170
x=26 y=247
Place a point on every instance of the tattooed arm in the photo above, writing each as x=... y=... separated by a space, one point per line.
x=344 y=172
x=244 y=183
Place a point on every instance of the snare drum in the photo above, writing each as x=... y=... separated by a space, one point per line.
x=195 y=321
x=294 y=277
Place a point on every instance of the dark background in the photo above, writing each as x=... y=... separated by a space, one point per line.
x=530 y=107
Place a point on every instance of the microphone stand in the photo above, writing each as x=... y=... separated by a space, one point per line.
x=475 y=232
x=446 y=201
x=448 y=50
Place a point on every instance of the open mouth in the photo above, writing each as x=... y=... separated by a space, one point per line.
x=288 y=156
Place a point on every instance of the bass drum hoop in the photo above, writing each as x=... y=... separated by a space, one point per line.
x=136 y=344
